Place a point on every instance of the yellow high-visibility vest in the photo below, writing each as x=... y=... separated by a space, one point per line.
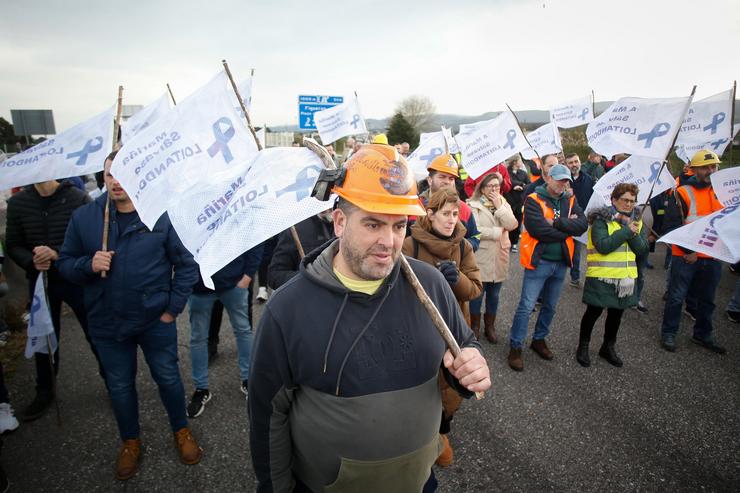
x=618 y=264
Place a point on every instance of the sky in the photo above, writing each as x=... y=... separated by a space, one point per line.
x=469 y=57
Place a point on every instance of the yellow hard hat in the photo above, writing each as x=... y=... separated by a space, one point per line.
x=378 y=179
x=704 y=157
x=380 y=139
x=444 y=163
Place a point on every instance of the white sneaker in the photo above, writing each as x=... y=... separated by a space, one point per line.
x=262 y=294
x=7 y=418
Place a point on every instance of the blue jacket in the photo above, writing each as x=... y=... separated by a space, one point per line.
x=140 y=286
x=230 y=275
x=583 y=188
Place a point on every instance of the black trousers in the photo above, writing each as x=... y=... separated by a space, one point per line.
x=57 y=291
x=613 y=320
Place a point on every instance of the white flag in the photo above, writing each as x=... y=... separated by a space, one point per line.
x=39 y=322
x=573 y=113
x=702 y=235
x=451 y=142
x=261 y=136
x=227 y=213
x=544 y=140
x=340 y=121
x=145 y=117
x=469 y=128
x=726 y=185
x=645 y=127
x=81 y=150
x=203 y=134
x=640 y=170
x=431 y=145
x=245 y=91
x=491 y=143
x=707 y=126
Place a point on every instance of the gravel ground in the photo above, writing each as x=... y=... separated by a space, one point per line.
x=664 y=421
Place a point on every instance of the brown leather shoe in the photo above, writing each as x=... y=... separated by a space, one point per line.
x=128 y=459
x=475 y=325
x=445 y=458
x=540 y=347
x=516 y=362
x=190 y=452
x=489 y=326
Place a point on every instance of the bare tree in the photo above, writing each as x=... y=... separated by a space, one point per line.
x=418 y=111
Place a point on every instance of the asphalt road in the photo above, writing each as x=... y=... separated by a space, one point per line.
x=663 y=422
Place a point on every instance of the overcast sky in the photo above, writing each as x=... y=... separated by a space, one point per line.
x=469 y=57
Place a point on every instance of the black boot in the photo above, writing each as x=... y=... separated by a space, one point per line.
x=38 y=406
x=608 y=353
x=582 y=354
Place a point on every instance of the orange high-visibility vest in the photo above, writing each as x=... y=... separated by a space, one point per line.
x=701 y=202
x=527 y=242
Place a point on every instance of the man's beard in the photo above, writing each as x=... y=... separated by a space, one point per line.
x=362 y=265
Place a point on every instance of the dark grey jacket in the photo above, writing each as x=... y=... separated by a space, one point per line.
x=341 y=380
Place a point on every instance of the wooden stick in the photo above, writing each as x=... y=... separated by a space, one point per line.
x=116 y=146
x=297 y=241
x=732 y=119
x=437 y=320
x=241 y=103
x=171 y=95
x=45 y=280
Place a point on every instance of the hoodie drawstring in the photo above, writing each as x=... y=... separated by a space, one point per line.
x=334 y=330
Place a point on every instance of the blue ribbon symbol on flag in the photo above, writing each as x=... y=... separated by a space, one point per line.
x=658 y=130
x=654 y=170
x=303 y=183
x=433 y=152
x=222 y=139
x=510 y=136
x=716 y=120
x=92 y=145
x=583 y=114
x=355 y=121
x=715 y=145
x=35 y=307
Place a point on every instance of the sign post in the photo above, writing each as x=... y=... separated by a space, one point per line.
x=308 y=105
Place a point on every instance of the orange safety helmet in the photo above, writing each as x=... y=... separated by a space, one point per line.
x=445 y=163
x=378 y=179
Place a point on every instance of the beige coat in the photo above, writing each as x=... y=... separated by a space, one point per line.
x=493 y=254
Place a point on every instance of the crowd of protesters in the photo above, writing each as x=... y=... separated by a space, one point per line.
x=465 y=235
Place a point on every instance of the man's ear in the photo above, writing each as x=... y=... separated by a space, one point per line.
x=340 y=222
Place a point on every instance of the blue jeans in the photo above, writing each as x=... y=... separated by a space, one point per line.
x=159 y=345
x=575 y=271
x=201 y=305
x=546 y=279
x=491 y=290
x=700 y=278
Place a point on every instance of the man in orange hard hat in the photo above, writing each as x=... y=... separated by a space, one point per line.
x=343 y=389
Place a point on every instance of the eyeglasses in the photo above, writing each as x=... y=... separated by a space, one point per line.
x=627 y=201
x=491 y=185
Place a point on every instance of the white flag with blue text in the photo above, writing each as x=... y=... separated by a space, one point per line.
x=716 y=235
x=145 y=117
x=544 y=140
x=707 y=126
x=645 y=127
x=431 y=145
x=340 y=121
x=81 y=150
x=39 y=322
x=573 y=113
x=490 y=143
x=227 y=213
x=726 y=185
x=202 y=134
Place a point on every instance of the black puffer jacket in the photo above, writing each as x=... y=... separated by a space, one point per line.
x=34 y=220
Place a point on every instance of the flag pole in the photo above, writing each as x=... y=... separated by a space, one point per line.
x=116 y=146
x=293 y=231
x=665 y=159
x=171 y=95
x=241 y=103
x=45 y=281
x=523 y=134
x=593 y=103
x=437 y=320
x=732 y=118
